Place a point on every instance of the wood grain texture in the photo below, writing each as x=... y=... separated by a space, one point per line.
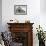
x=22 y=27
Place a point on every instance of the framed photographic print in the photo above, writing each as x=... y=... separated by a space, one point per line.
x=20 y=9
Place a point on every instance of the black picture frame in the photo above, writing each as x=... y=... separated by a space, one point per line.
x=20 y=9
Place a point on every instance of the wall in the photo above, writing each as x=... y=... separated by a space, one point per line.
x=33 y=14
x=43 y=6
x=33 y=11
x=43 y=14
x=0 y=15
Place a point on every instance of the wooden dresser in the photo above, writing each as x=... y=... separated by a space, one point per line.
x=22 y=33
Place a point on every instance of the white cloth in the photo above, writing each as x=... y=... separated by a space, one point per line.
x=0 y=45
x=16 y=44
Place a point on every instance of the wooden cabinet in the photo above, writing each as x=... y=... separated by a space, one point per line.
x=22 y=33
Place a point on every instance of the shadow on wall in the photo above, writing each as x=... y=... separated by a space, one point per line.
x=0 y=15
x=43 y=6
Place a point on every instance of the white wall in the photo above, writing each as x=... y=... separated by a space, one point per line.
x=43 y=14
x=43 y=6
x=33 y=14
x=0 y=15
x=33 y=10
